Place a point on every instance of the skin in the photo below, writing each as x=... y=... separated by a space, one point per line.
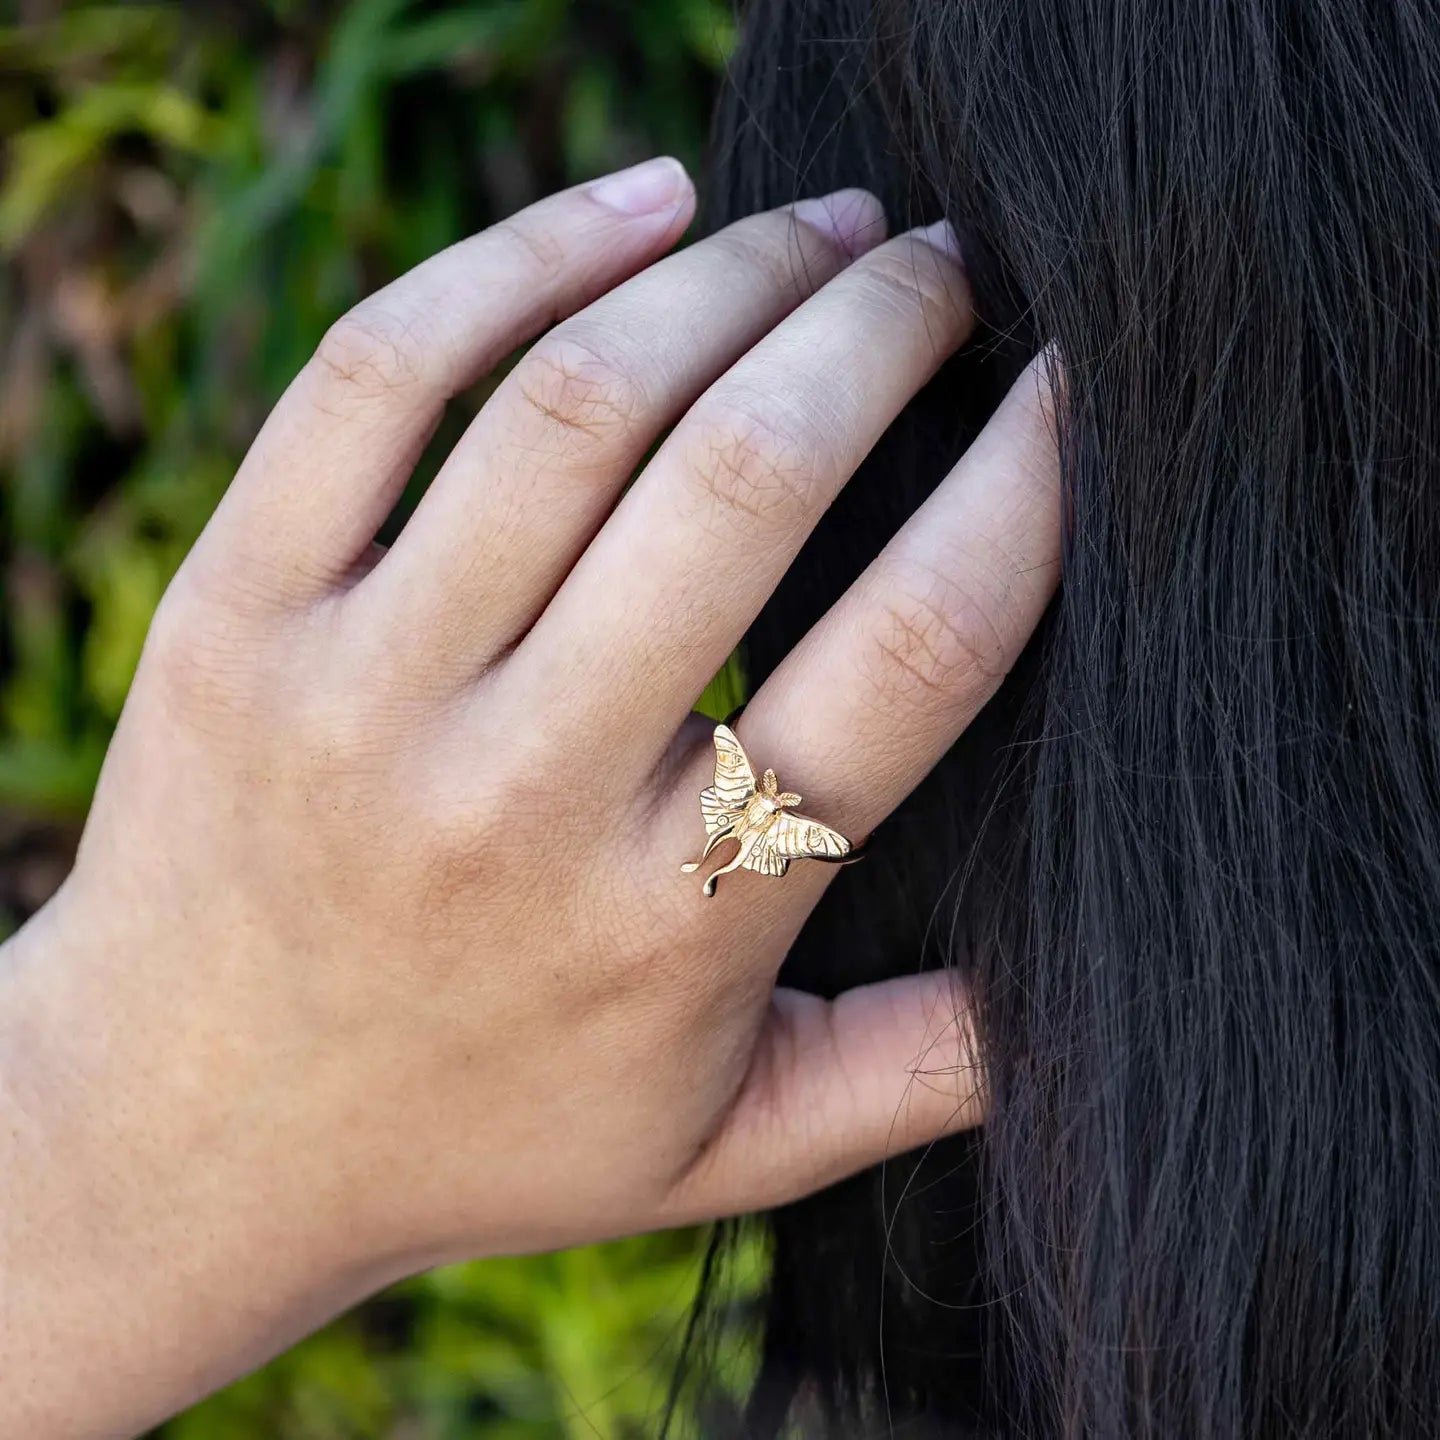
x=377 y=954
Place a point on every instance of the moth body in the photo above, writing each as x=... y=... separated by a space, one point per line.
x=738 y=807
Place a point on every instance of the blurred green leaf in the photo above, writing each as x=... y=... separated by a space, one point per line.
x=127 y=36
x=726 y=692
x=48 y=158
x=468 y=39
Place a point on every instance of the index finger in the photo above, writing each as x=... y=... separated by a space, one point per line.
x=332 y=459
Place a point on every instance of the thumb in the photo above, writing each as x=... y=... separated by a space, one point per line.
x=837 y=1085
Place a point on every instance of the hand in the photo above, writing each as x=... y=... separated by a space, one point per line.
x=378 y=952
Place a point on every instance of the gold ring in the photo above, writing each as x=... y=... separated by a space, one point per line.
x=760 y=817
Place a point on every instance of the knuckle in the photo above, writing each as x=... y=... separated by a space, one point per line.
x=485 y=838
x=169 y=649
x=541 y=247
x=937 y=640
x=578 y=394
x=201 y=659
x=758 y=457
x=909 y=278
x=768 y=246
x=1037 y=428
x=459 y=855
x=371 y=351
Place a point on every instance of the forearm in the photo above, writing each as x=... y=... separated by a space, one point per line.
x=150 y=1246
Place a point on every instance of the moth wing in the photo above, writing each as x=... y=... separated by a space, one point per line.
x=718 y=815
x=725 y=801
x=734 y=779
x=793 y=837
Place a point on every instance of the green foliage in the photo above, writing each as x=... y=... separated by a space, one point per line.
x=190 y=194
x=576 y=1345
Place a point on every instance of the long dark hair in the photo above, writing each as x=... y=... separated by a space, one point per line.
x=1190 y=856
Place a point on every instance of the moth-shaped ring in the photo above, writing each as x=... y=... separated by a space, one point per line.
x=760 y=817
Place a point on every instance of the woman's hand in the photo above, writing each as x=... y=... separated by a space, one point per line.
x=378 y=952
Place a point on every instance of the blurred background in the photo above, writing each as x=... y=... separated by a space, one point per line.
x=189 y=194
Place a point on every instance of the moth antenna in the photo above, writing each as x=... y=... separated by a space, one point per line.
x=770 y=783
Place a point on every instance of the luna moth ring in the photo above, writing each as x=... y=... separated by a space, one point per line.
x=760 y=818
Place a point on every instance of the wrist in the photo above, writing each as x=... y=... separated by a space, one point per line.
x=164 y=1206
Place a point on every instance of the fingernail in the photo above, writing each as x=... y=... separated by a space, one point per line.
x=940 y=236
x=853 y=219
x=644 y=188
